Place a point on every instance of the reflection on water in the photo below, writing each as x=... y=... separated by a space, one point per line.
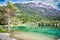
x=47 y=31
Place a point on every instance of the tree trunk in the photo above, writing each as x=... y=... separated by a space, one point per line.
x=9 y=23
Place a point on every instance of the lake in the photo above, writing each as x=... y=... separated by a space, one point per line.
x=38 y=33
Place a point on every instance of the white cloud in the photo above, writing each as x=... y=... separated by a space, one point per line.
x=59 y=0
x=54 y=3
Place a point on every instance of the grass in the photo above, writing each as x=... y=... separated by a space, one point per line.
x=3 y=29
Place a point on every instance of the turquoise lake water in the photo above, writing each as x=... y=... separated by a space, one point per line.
x=44 y=30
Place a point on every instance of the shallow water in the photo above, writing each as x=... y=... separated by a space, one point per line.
x=33 y=36
x=49 y=33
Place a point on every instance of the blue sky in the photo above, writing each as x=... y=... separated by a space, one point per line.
x=55 y=3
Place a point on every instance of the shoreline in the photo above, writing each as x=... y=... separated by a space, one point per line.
x=33 y=36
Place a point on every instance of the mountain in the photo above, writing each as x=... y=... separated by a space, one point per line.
x=40 y=9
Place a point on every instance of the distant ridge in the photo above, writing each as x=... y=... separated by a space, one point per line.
x=39 y=8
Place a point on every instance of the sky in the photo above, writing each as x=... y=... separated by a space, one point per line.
x=55 y=3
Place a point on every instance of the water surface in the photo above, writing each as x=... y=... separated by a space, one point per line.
x=48 y=32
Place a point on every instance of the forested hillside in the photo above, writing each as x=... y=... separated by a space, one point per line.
x=29 y=12
x=38 y=12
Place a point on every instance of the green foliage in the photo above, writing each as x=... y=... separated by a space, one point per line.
x=8 y=10
x=31 y=14
x=3 y=28
x=23 y=13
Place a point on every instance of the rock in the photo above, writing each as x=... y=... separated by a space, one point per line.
x=14 y=39
x=4 y=36
x=58 y=39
